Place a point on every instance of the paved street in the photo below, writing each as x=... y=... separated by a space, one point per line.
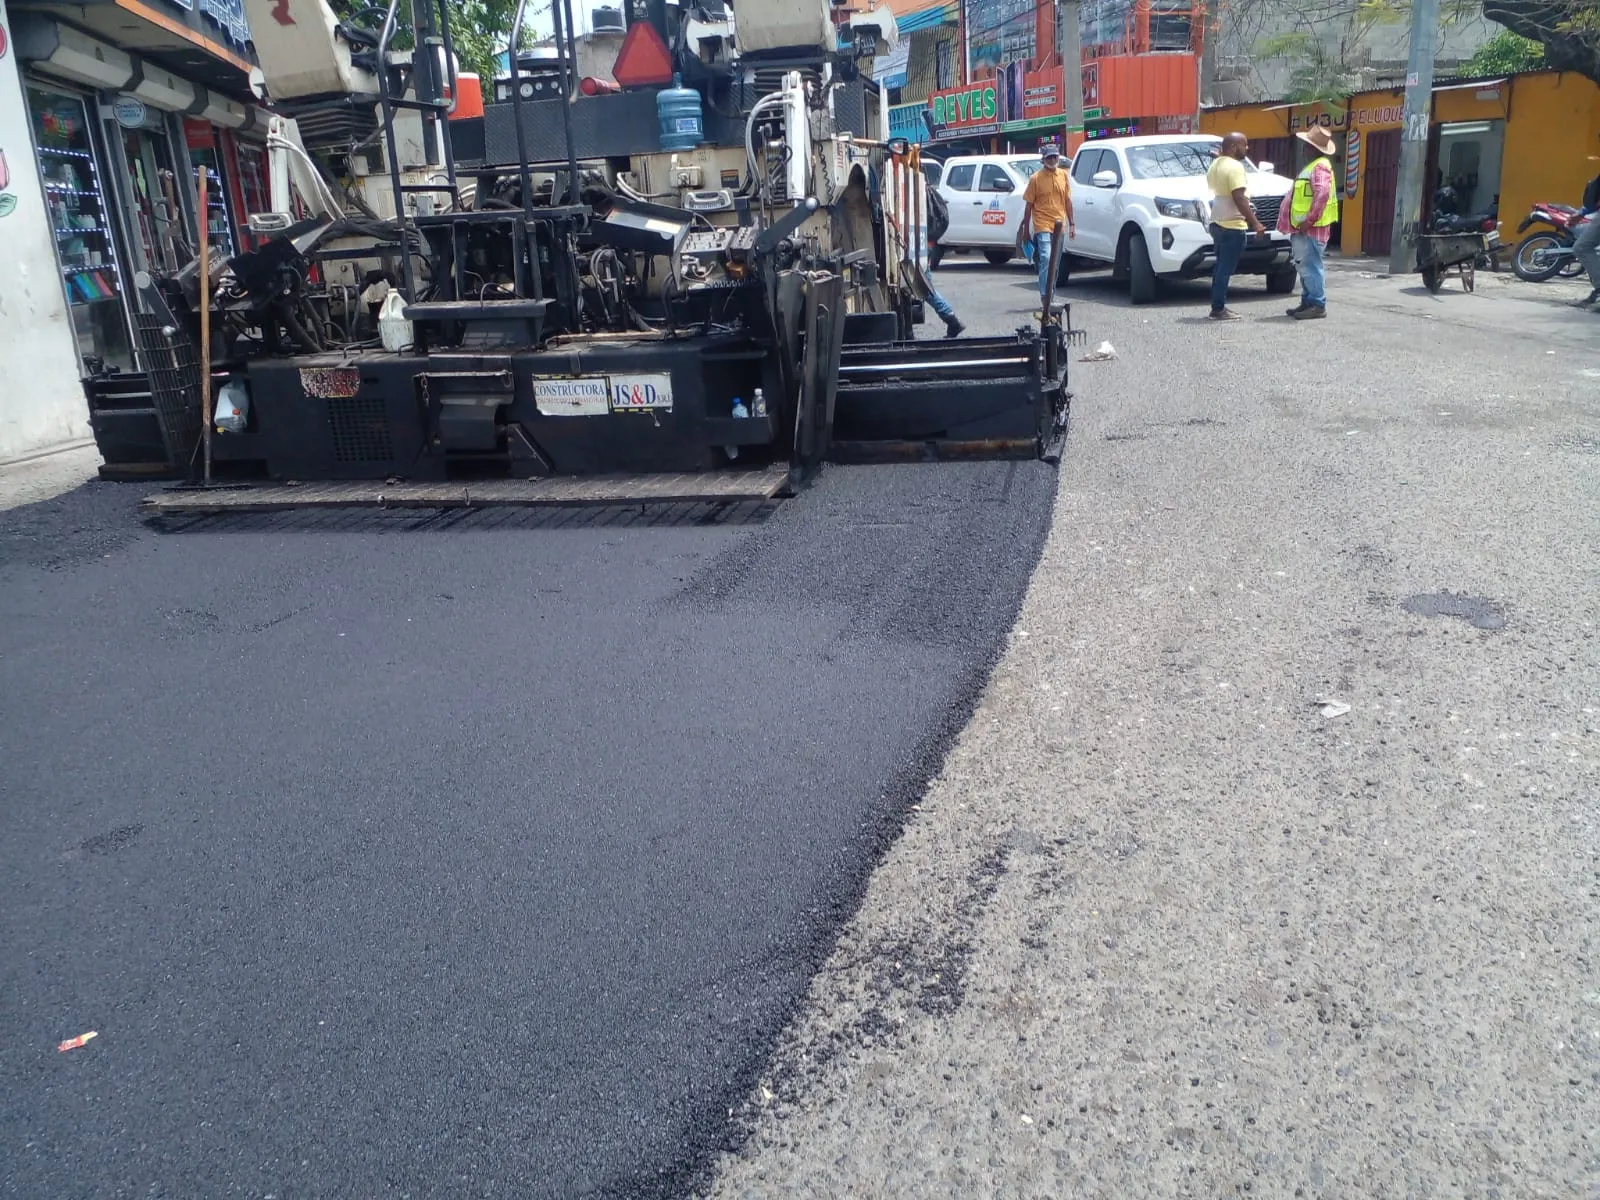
x=446 y=855
x=1175 y=922
x=507 y=855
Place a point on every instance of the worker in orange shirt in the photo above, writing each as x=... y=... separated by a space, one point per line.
x=1046 y=203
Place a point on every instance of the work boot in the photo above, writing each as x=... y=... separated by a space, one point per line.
x=1588 y=300
x=1311 y=312
x=953 y=327
x=1224 y=314
x=1298 y=309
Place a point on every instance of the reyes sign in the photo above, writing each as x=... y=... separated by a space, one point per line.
x=964 y=111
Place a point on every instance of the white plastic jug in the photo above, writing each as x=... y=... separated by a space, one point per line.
x=393 y=328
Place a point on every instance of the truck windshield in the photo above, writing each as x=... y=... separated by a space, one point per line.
x=1025 y=166
x=1171 y=160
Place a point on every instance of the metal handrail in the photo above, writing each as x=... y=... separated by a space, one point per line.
x=391 y=150
x=516 y=110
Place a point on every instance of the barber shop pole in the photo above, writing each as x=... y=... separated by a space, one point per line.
x=1352 y=161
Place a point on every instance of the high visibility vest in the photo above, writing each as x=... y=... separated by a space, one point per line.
x=1300 y=202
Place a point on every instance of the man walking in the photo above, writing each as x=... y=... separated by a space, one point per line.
x=1308 y=220
x=1233 y=219
x=1046 y=203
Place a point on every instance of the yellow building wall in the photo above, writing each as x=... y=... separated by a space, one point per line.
x=1553 y=128
x=1252 y=120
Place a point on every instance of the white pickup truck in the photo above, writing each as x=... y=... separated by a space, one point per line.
x=984 y=195
x=1143 y=208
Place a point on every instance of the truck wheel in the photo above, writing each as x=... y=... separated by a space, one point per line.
x=999 y=257
x=1281 y=283
x=1141 y=275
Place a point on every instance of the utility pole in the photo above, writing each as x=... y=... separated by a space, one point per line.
x=1208 y=55
x=1069 y=36
x=1414 y=137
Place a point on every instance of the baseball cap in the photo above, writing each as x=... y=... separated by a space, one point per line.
x=1049 y=150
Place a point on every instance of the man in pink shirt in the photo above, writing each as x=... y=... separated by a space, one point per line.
x=1307 y=216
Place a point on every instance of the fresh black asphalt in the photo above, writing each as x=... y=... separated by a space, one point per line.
x=408 y=854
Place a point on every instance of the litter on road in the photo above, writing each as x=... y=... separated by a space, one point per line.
x=82 y=1039
x=1104 y=352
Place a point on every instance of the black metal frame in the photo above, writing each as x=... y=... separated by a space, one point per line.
x=433 y=107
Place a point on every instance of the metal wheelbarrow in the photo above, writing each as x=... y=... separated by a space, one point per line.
x=1440 y=253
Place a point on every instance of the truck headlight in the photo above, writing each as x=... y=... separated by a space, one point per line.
x=1183 y=210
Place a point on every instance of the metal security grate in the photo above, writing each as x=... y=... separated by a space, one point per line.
x=360 y=429
x=173 y=368
x=1267 y=209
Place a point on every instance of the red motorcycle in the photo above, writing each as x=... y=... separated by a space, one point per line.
x=1548 y=253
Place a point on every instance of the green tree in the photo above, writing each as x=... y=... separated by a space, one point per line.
x=1504 y=54
x=1568 y=30
x=479 y=29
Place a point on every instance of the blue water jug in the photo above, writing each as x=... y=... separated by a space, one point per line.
x=678 y=108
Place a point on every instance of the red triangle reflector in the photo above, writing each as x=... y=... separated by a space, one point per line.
x=644 y=57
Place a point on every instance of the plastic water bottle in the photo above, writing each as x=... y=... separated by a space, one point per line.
x=758 y=405
x=739 y=410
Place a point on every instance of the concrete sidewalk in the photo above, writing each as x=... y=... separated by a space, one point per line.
x=43 y=476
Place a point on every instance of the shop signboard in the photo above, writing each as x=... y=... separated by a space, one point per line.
x=1031 y=99
x=1331 y=117
x=222 y=21
x=1120 y=129
x=129 y=111
x=969 y=111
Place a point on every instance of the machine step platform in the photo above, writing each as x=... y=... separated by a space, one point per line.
x=765 y=483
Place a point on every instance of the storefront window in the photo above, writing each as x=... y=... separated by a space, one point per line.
x=158 y=217
x=203 y=153
x=81 y=220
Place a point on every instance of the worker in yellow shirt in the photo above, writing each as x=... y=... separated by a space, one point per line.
x=1233 y=218
x=1047 y=202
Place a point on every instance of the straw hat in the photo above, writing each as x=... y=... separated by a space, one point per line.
x=1319 y=138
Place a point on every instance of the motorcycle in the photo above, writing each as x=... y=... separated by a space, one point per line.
x=1548 y=253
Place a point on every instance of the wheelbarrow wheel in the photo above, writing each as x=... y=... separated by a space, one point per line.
x=1433 y=277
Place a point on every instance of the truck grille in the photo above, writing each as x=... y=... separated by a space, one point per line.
x=1267 y=209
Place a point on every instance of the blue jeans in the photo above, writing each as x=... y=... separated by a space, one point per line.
x=1307 y=254
x=1587 y=248
x=1230 y=249
x=1041 y=260
x=941 y=306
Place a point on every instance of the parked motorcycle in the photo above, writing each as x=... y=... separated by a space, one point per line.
x=1548 y=253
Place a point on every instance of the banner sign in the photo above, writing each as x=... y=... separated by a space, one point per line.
x=965 y=111
x=1031 y=99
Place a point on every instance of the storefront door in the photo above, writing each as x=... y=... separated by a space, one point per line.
x=1382 y=172
x=81 y=216
x=158 y=214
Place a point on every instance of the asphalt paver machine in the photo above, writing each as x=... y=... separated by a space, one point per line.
x=550 y=292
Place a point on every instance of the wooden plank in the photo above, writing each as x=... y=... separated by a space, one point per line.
x=711 y=486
